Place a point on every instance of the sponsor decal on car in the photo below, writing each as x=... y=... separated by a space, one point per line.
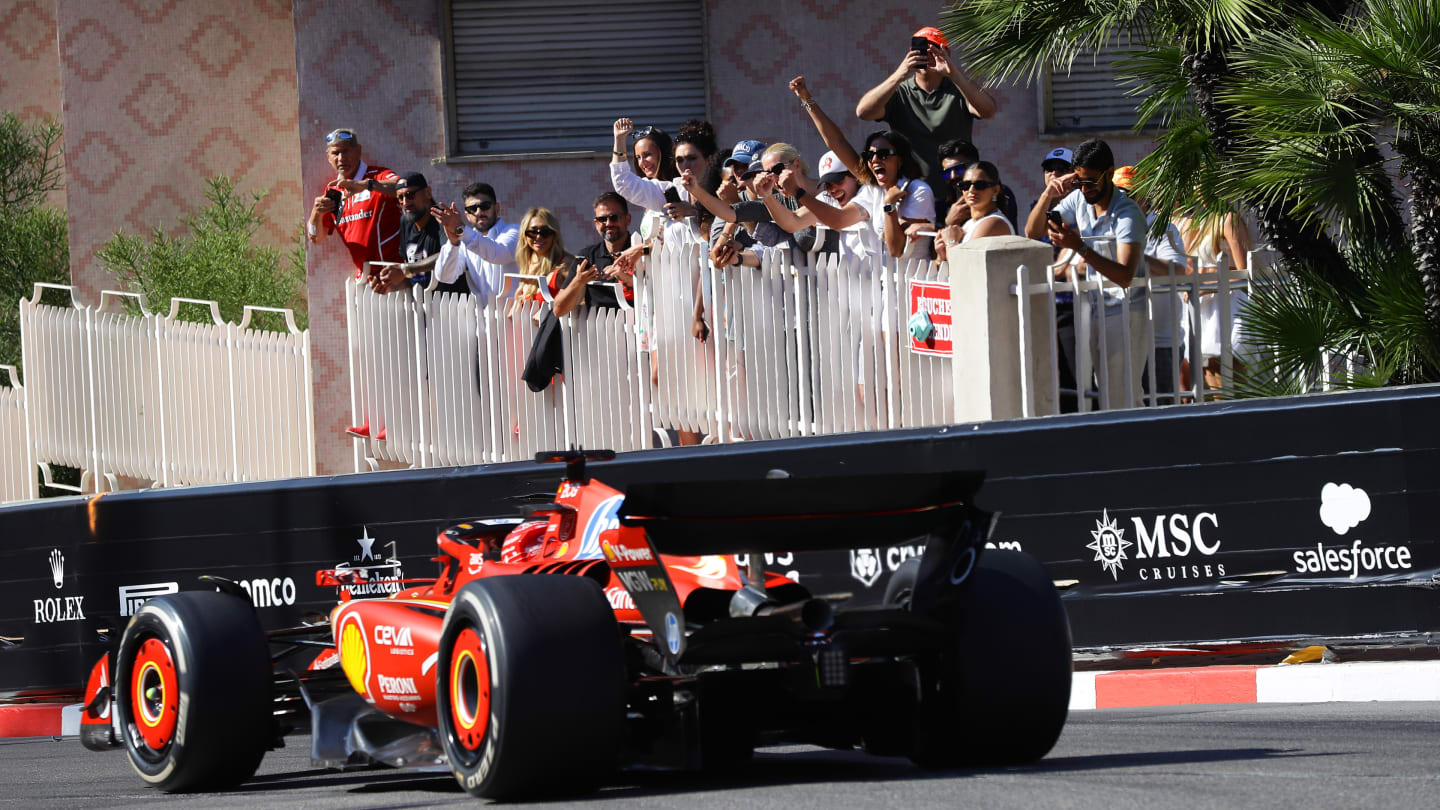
x=672 y=633
x=133 y=596
x=399 y=640
x=865 y=565
x=1173 y=537
x=641 y=582
x=399 y=688
x=603 y=519
x=52 y=609
x=620 y=599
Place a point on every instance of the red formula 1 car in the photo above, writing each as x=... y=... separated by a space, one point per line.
x=611 y=629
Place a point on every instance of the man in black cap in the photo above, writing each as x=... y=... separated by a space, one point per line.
x=420 y=240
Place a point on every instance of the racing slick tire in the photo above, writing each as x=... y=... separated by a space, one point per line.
x=1001 y=695
x=531 y=686
x=193 y=686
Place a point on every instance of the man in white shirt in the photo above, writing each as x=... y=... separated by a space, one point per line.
x=484 y=250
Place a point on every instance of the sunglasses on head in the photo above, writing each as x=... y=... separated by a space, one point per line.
x=541 y=232
x=645 y=132
x=877 y=154
x=483 y=205
x=606 y=219
x=340 y=135
x=978 y=185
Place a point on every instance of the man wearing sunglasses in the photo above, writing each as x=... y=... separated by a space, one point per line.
x=359 y=203
x=930 y=100
x=421 y=236
x=598 y=268
x=482 y=250
x=1089 y=205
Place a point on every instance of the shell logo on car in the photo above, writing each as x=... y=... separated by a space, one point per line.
x=354 y=654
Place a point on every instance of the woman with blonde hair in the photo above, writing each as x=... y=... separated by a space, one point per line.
x=539 y=255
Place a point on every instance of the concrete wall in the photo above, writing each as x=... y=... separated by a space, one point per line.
x=160 y=95
x=29 y=67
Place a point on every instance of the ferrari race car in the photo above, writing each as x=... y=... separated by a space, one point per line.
x=614 y=629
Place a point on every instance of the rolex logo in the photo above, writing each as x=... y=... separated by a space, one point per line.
x=57 y=567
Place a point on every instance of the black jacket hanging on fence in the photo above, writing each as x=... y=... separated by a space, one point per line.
x=547 y=355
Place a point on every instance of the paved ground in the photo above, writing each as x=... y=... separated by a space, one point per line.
x=1335 y=755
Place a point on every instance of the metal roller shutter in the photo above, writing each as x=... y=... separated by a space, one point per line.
x=1089 y=97
x=552 y=76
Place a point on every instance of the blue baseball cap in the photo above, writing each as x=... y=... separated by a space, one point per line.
x=745 y=153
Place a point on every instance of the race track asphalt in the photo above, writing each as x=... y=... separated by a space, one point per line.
x=1336 y=755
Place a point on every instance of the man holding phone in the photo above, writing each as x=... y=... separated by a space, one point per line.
x=359 y=203
x=595 y=266
x=929 y=99
x=1086 y=203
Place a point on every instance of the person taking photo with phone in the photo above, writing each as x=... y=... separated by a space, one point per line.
x=929 y=99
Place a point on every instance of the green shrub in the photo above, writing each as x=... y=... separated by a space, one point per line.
x=34 y=242
x=216 y=258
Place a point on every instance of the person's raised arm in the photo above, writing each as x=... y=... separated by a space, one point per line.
x=623 y=126
x=872 y=104
x=830 y=133
x=315 y=227
x=713 y=204
x=1055 y=191
x=573 y=293
x=982 y=104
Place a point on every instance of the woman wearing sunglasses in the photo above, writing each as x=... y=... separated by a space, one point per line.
x=540 y=255
x=890 y=189
x=978 y=186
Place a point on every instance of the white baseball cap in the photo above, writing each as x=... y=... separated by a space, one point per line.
x=831 y=169
x=1060 y=153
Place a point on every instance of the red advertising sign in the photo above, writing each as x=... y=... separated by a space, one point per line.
x=932 y=298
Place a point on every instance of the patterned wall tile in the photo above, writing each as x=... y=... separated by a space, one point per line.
x=96 y=163
x=156 y=104
x=151 y=12
x=216 y=46
x=28 y=30
x=90 y=51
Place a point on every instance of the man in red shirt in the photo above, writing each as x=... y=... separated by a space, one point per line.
x=359 y=203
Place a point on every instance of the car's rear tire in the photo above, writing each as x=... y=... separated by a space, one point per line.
x=530 y=686
x=1001 y=695
x=193 y=687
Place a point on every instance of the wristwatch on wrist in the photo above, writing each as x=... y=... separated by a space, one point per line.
x=621 y=155
x=369 y=184
x=459 y=229
x=799 y=194
x=891 y=208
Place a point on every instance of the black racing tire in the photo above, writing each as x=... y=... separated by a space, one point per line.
x=193 y=689
x=902 y=584
x=1000 y=696
x=531 y=686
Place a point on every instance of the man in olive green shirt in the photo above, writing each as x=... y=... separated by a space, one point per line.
x=930 y=100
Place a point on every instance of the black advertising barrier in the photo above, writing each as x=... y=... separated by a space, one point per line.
x=1269 y=519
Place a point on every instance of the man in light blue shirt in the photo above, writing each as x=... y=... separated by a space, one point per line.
x=1106 y=230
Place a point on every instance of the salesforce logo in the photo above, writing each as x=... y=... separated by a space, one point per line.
x=1343 y=507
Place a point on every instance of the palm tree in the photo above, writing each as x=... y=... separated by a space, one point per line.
x=1179 y=58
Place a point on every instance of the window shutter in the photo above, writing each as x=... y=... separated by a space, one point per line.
x=1089 y=97
x=552 y=76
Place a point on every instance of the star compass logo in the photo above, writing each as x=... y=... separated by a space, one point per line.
x=1110 y=544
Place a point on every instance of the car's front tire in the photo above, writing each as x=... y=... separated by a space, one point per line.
x=530 y=686
x=193 y=686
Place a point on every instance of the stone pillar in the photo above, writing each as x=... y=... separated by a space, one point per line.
x=985 y=328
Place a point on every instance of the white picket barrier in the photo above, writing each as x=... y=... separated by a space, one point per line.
x=55 y=345
x=17 y=473
x=136 y=399
x=686 y=396
x=921 y=384
x=605 y=368
x=451 y=401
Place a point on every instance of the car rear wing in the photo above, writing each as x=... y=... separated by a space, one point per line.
x=800 y=514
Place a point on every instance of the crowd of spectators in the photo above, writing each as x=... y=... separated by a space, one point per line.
x=911 y=190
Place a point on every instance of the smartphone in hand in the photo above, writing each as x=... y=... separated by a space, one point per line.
x=672 y=195
x=1055 y=219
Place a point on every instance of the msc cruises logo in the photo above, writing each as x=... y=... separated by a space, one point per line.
x=1109 y=544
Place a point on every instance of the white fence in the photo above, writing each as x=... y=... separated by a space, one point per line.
x=818 y=346
x=133 y=398
x=794 y=350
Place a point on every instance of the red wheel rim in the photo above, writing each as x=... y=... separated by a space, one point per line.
x=154 y=694
x=469 y=689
